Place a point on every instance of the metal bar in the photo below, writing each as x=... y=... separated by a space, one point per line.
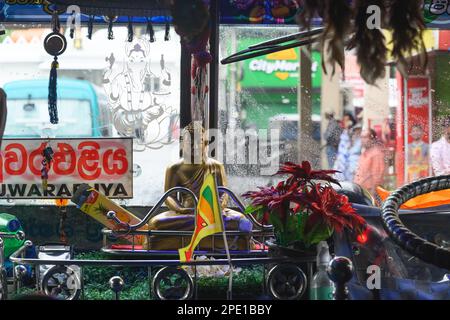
x=247 y=54
x=195 y=283
x=133 y=229
x=295 y=36
x=183 y=233
x=82 y=283
x=156 y=207
x=2 y=253
x=242 y=207
x=214 y=67
x=143 y=263
x=149 y=275
x=174 y=253
x=264 y=280
x=8 y=235
x=304 y=108
x=146 y=263
x=310 y=267
x=185 y=88
x=38 y=277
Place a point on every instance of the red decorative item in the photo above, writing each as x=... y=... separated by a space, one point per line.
x=333 y=209
x=304 y=208
x=304 y=173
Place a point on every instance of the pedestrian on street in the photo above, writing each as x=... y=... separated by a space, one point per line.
x=440 y=152
x=331 y=137
x=348 y=151
x=371 y=167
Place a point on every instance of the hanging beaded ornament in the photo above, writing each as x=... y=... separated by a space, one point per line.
x=55 y=44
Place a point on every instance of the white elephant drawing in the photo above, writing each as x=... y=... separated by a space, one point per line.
x=136 y=97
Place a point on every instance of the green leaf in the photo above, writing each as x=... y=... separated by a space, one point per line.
x=280 y=233
x=275 y=220
x=291 y=223
x=302 y=218
x=252 y=209
x=320 y=232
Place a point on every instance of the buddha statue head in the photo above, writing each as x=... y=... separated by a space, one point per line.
x=194 y=143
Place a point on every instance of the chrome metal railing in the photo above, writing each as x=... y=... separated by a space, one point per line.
x=260 y=233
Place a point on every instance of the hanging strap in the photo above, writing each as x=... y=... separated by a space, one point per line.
x=167 y=34
x=56 y=26
x=110 y=28
x=90 y=27
x=130 y=30
x=73 y=25
x=150 y=31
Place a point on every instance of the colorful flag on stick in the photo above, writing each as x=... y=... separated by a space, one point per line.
x=208 y=220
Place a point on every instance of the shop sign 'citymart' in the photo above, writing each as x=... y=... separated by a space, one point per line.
x=105 y=164
x=277 y=70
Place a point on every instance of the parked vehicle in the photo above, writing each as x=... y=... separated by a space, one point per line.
x=82 y=109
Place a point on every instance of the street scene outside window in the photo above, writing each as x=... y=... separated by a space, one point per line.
x=236 y=149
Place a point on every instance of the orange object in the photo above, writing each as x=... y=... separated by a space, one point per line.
x=61 y=202
x=432 y=199
x=97 y=205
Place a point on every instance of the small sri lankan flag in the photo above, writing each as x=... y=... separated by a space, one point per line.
x=208 y=220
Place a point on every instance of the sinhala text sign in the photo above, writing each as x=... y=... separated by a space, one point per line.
x=105 y=164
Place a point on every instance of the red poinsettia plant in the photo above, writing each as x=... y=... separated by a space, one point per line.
x=304 y=209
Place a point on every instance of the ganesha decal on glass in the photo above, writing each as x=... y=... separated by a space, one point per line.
x=139 y=97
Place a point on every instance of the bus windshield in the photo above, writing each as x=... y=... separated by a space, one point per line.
x=29 y=118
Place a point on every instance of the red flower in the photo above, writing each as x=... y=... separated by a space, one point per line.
x=303 y=173
x=333 y=209
x=274 y=197
x=325 y=210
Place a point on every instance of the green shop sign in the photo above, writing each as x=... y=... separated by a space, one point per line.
x=277 y=70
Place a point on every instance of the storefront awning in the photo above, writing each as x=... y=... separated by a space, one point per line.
x=231 y=12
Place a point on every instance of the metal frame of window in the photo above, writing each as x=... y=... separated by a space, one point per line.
x=214 y=66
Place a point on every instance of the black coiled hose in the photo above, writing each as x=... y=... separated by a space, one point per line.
x=405 y=238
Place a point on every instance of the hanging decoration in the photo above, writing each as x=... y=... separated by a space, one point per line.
x=344 y=20
x=72 y=28
x=267 y=11
x=55 y=44
x=200 y=89
x=123 y=8
x=191 y=22
x=150 y=30
x=47 y=158
x=167 y=31
x=372 y=59
x=90 y=26
x=62 y=206
x=190 y=18
x=110 y=20
x=130 y=29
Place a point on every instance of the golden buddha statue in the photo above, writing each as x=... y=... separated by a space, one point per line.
x=189 y=172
